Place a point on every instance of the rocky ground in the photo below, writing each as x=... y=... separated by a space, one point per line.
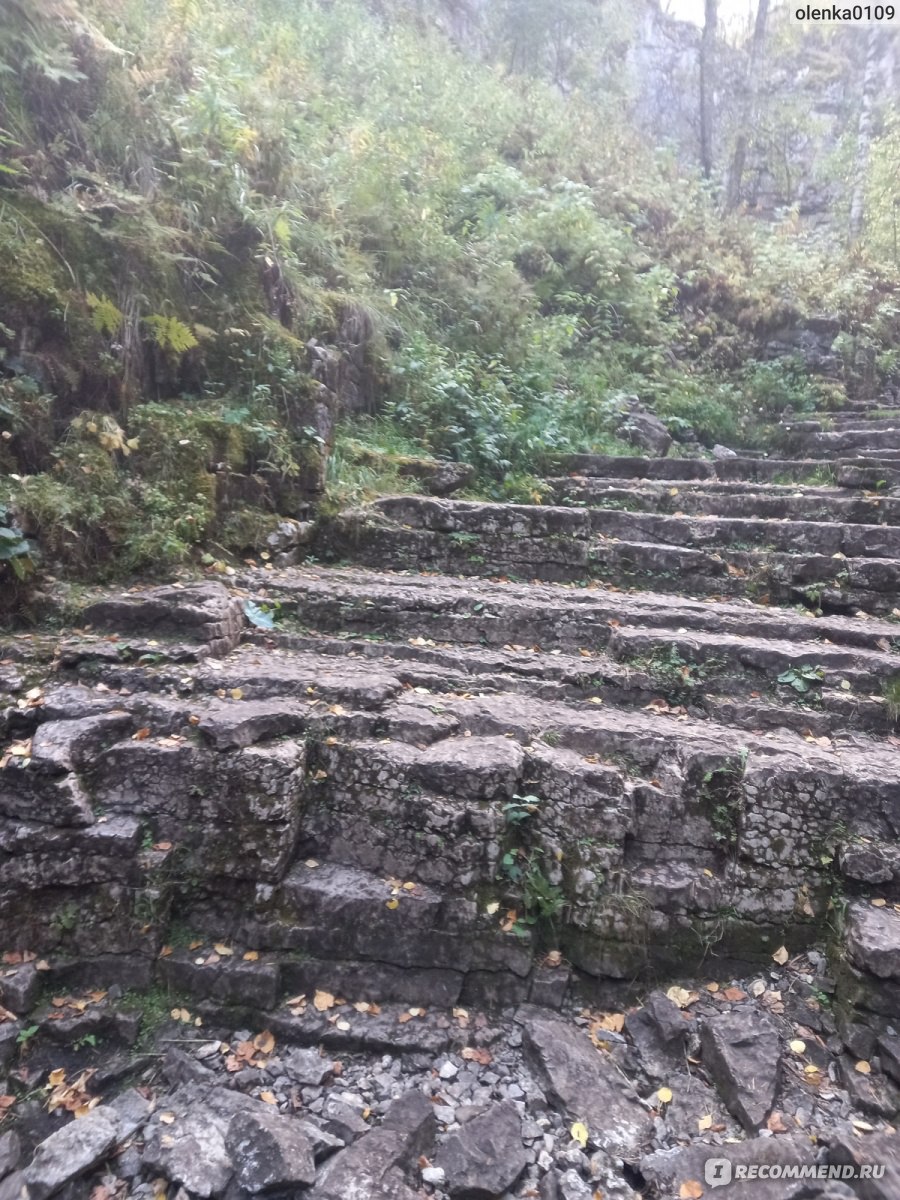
x=517 y=1103
x=517 y=851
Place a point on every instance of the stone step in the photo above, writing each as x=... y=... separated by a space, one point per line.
x=564 y=544
x=318 y=803
x=843 y=422
x=853 y=440
x=464 y=520
x=731 y=500
x=708 y=656
x=626 y=467
x=708 y=681
x=863 y=470
x=489 y=613
x=670 y=796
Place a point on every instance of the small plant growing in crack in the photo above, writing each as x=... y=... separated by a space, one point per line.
x=890 y=690
x=520 y=808
x=802 y=678
x=542 y=900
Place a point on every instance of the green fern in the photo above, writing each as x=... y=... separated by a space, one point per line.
x=170 y=334
x=105 y=317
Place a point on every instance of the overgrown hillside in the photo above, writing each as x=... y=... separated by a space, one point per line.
x=251 y=252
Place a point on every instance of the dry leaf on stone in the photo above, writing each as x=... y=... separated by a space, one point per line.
x=477 y=1054
x=580 y=1133
x=682 y=997
x=264 y=1042
x=610 y=1022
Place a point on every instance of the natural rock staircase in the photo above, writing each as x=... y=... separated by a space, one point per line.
x=495 y=754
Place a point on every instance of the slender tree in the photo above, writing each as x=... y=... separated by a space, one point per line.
x=707 y=85
x=748 y=109
x=864 y=137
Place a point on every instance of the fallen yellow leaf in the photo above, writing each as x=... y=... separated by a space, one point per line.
x=580 y=1134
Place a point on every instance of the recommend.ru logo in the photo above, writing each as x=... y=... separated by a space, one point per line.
x=717 y=1171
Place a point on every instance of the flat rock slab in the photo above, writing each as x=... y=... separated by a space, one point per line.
x=658 y=1032
x=191 y=1151
x=586 y=1084
x=70 y=1152
x=486 y=1157
x=712 y=1170
x=367 y=1170
x=206 y=611
x=383 y=1031
x=269 y=1151
x=873 y=939
x=882 y=1149
x=742 y=1055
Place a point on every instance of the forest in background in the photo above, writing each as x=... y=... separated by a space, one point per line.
x=254 y=257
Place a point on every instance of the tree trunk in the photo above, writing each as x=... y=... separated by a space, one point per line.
x=864 y=137
x=707 y=85
x=747 y=115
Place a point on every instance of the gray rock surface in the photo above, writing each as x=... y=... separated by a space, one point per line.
x=71 y=1152
x=586 y=1084
x=269 y=1151
x=742 y=1055
x=486 y=1156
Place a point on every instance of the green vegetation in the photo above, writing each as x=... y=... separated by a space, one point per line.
x=721 y=796
x=890 y=690
x=253 y=254
x=803 y=678
x=524 y=866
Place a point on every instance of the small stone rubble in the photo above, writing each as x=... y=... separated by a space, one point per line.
x=515 y=1104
